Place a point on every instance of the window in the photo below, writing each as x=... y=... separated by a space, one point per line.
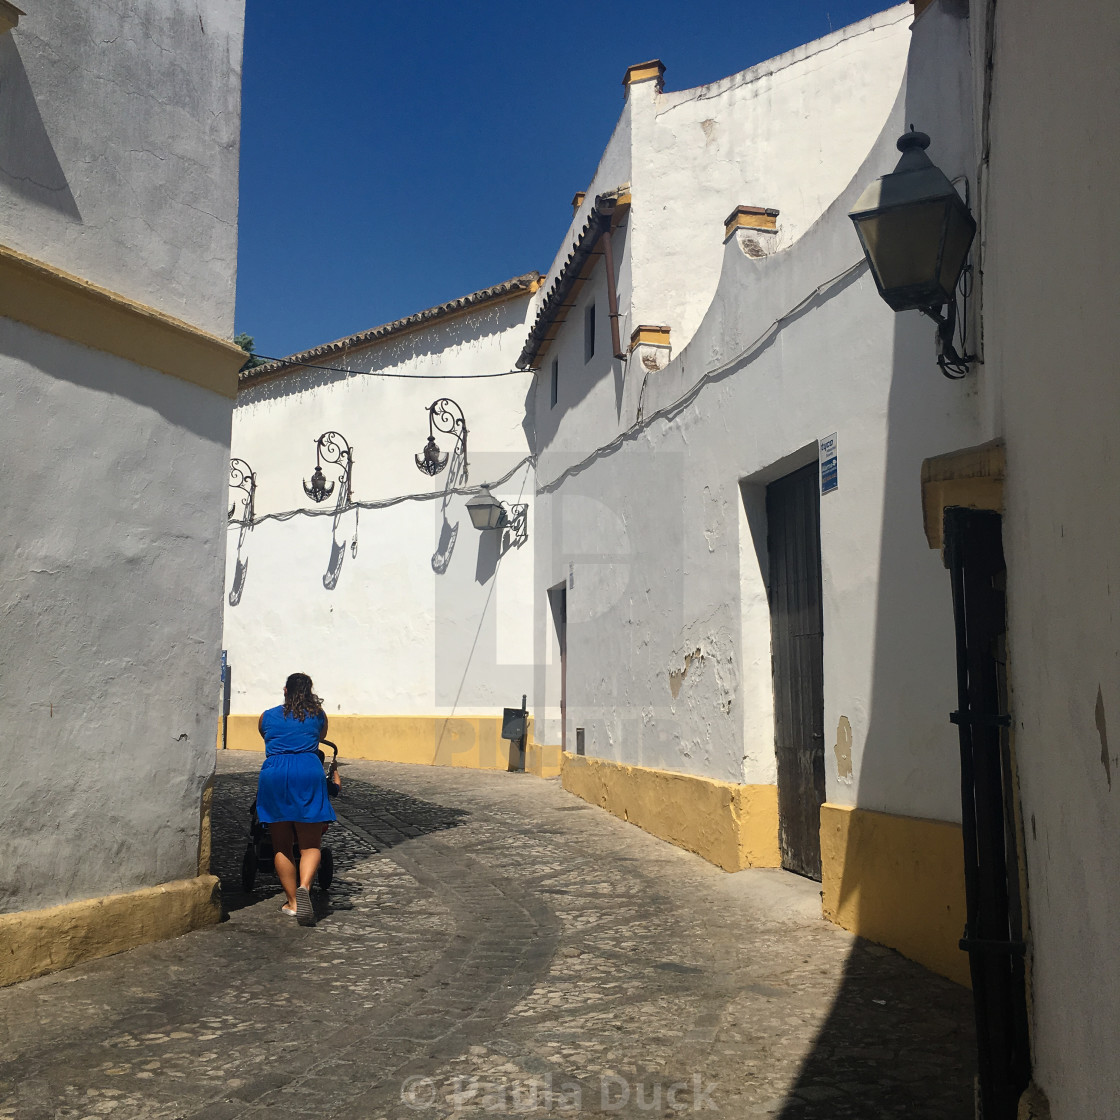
x=589 y=333
x=555 y=391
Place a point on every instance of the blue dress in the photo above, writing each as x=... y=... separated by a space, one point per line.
x=292 y=785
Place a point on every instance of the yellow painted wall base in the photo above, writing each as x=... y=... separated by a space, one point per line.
x=35 y=942
x=474 y=742
x=898 y=881
x=542 y=759
x=732 y=826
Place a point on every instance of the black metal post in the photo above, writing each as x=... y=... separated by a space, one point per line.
x=525 y=730
x=993 y=936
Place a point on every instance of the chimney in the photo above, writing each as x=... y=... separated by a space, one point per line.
x=654 y=71
x=746 y=224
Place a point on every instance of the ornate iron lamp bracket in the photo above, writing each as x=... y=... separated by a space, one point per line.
x=241 y=477
x=444 y=415
x=517 y=521
x=331 y=448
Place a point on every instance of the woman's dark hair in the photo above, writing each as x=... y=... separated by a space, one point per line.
x=299 y=700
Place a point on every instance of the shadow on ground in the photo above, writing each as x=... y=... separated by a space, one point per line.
x=379 y=819
x=917 y=1050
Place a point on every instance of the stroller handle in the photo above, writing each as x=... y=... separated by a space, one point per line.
x=331 y=767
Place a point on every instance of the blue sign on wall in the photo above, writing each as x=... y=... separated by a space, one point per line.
x=829 y=480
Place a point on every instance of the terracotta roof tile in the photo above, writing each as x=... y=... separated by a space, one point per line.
x=608 y=208
x=527 y=283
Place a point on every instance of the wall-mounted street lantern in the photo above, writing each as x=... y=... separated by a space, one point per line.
x=241 y=477
x=916 y=232
x=444 y=415
x=331 y=448
x=487 y=512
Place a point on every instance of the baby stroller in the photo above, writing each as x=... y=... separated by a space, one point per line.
x=259 y=853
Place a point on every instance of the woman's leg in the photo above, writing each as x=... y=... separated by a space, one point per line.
x=282 y=835
x=309 y=837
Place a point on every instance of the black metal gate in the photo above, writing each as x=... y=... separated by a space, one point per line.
x=993 y=937
x=797 y=641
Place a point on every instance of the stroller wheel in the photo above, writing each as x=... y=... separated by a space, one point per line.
x=326 y=868
x=249 y=869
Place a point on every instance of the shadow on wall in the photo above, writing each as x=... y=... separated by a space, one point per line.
x=493 y=544
x=338 y=547
x=241 y=567
x=910 y=893
x=334 y=564
x=578 y=377
x=489 y=553
x=106 y=377
x=574 y=384
x=529 y=415
x=456 y=476
x=386 y=816
x=448 y=535
x=28 y=163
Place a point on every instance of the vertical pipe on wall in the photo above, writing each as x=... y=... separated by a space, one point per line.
x=612 y=294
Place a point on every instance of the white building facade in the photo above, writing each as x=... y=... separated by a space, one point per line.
x=118 y=219
x=662 y=476
x=415 y=627
x=1047 y=94
x=726 y=599
x=707 y=327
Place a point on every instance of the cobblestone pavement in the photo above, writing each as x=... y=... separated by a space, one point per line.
x=490 y=946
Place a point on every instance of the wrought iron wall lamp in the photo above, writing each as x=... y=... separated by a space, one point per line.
x=241 y=477
x=487 y=512
x=331 y=448
x=916 y=232
x=444 y=415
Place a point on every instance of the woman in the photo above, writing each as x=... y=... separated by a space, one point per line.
x=292 y=790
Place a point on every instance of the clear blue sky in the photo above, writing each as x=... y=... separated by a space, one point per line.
x=397 y=155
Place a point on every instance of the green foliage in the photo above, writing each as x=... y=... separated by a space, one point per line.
x=245 y=341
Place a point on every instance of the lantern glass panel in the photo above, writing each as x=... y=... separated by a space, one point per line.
x=486 y=512
x=903 y=246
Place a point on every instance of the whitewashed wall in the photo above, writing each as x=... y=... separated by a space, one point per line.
x=430 y=617
x=118 y=162
x=788 y=133
x=119 y=142
x=108 y=589
x=1051 y=338
x=690 y=157
x=659 y=537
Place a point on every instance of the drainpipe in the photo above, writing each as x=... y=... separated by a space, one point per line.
x=612 y=295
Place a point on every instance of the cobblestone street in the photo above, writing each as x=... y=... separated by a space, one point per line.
x=491 y=945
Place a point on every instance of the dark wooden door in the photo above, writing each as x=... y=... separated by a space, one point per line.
x=797 y=637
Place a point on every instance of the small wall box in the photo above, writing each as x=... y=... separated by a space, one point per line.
x=513 y=723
